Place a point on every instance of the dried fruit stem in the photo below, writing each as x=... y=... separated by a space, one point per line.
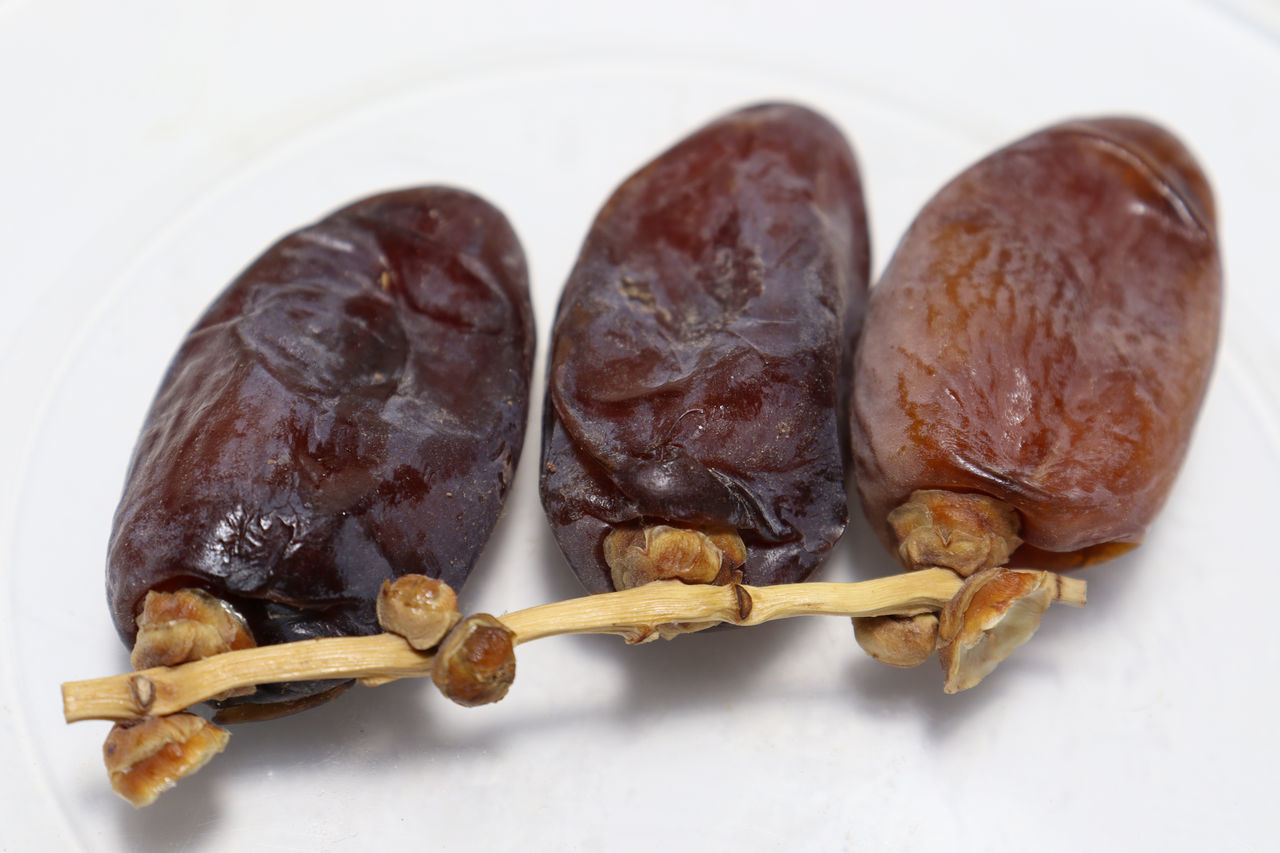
x=166 y=690
x=1070 y=591
x=631 y=613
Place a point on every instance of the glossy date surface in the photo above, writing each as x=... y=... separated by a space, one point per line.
x=1044 y=335
x=698 y=365
x=350 y=409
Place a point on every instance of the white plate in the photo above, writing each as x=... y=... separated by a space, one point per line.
x=1144 y=718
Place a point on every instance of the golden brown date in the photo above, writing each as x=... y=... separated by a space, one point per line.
x=700 y=357
x=1043 y=338
x=350 y=409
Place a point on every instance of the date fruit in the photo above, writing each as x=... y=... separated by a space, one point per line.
x=1036 y=353
x=349 y=410
x=699 y=364
x=1044 y=335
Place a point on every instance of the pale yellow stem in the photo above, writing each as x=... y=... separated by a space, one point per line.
x=633 y=613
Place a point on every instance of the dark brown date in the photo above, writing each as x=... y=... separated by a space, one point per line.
x=350 y=409
x=1043 y=337
x=698 y=365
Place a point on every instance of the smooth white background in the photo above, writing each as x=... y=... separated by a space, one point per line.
x=149 y=150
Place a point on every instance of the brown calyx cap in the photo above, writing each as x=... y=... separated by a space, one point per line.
x=962 y=532
x=995 y=611
x=147 y=757
x=420 y=609
x=903 y=641
x=639 y=555
x=476 y=663
x=186 y=625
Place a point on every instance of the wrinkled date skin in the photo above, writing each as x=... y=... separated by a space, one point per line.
x=1044 y=335
x=350 y=409
x=698 y=365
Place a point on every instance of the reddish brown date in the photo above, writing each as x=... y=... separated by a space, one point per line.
x=699 y=361
x=349 y=410
x=1043 y=336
